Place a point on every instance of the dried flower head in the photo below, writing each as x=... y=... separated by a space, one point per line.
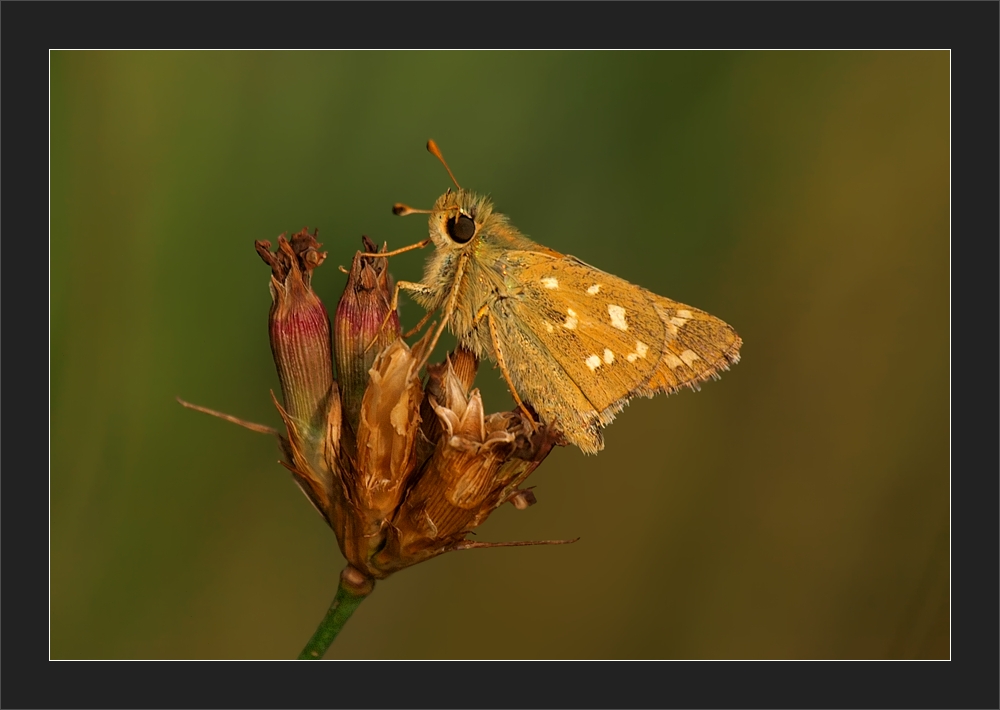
x=401 y=468
x=419 y=464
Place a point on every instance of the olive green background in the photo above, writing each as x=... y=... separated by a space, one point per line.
x=797 y=508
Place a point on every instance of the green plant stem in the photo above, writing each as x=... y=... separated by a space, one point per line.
x=351 y=591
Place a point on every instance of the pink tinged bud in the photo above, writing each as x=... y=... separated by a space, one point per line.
x=299 y=329
x=300 y=342
x=362 y=326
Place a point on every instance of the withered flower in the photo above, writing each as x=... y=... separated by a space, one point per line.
x=401 y=468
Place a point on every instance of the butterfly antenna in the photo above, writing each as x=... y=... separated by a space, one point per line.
x=433 y=149
x=403 y=210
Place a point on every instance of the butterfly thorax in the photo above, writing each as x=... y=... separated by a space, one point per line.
x=482 y=280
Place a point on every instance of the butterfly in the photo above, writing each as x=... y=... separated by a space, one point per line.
x=573 y=343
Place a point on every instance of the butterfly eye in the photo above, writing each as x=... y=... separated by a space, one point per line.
x=461 y=229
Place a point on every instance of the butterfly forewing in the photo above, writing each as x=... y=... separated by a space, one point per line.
x=603 y=332
x=613 y=339
x=698 y=346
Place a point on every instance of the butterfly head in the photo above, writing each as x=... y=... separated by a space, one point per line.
x=458 y=219
x=461 y=220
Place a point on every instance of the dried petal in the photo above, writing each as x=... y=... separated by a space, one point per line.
x=449 y=383
x=387 y=432
x=307 y=459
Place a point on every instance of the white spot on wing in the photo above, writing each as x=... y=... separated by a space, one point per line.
x=550 y=282
x=594 y=289
x=609 y=357
x=571 y=319
x=617 y=314
x=689 y=356
x=678 y=321
x=684 y=313
x=593 y=362
x=548 y=327
x=640 y=351
x=672 y=360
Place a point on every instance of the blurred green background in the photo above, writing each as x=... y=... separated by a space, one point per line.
x=798 y=508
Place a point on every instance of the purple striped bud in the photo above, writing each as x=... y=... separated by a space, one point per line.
x=299 y=327
x=363 y=326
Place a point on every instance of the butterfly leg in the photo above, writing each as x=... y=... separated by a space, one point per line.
x=503 y=368
x=394 y=304
x=417 y=328
x=479 y=316
x=449 y=306
x=402 y=250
